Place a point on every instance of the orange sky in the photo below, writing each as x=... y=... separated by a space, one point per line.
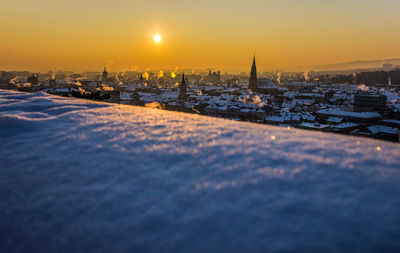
x=43 y=35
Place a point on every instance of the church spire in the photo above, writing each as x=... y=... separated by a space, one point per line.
x=253 y=81
x=105 y=75
x=182 y=89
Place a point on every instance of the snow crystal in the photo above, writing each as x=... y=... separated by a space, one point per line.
x=81 y=176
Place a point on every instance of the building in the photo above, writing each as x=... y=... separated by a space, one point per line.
x=253 y=81
x=5 y=78
x=182 y=89
x=357 y=117
x=53 y=83
x=104 y=76
x=214 y=77
x=370 y=103
x=387 y=66
x=262 y=85
x=266 y=83
x=33 y=79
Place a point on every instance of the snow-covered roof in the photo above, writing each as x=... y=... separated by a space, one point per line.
x=308 y=116
x=60 y=90
x=284 y=117
x=275 y=119
x=335 y=119
x=383 y=129
x=391 y=121
x=341 y=113
x=130 y=86
x=213 y=87
x=345 y=125
x=391 y=96
x=313 y=125
x=125 y=95
x=83 y=176
x=169 y=94
x=302 y=101
x=266 y=83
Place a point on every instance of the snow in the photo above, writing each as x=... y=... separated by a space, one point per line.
x=60 y=90
x=391 y=121
x=335 y=119
x=130 y=87
x=313 y=125
x=345 y=125
x=308 y=117
x=275 y=119
x=391 y=97
x=168 y=95
x=126 y=96
x=339 y=112
x=383 y=129
x=81 y=176
x=266 y=83
x=213 y=87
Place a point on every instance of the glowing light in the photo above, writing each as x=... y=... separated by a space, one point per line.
x=160 y=74
x=378 y=149
x=272 y=137
x=157 y=38
x=154 y=105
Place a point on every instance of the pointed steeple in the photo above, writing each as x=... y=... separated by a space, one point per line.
x=105 y=75
x=182 y=89
x=253 y=81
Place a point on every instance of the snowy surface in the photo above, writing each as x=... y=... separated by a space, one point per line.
x=80 y=176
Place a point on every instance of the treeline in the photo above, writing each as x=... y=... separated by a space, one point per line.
x=369 y=78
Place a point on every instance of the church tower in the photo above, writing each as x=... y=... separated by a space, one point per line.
x=253 y=81
x=182 y=89
x=105 y=75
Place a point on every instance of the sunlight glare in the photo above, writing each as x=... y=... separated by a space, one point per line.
x=157 y=38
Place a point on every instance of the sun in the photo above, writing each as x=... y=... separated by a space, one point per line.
x=157 y=38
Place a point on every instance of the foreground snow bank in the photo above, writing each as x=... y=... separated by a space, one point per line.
x=79 y=176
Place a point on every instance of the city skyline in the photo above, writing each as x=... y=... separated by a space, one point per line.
x=195 y=35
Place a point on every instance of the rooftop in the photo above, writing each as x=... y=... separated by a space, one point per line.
x=339 y=112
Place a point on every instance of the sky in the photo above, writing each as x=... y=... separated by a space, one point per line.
x=43 y=35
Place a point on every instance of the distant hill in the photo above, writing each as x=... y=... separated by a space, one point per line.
x=369 y=64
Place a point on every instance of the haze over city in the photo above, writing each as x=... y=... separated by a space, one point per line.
x=87 y=35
